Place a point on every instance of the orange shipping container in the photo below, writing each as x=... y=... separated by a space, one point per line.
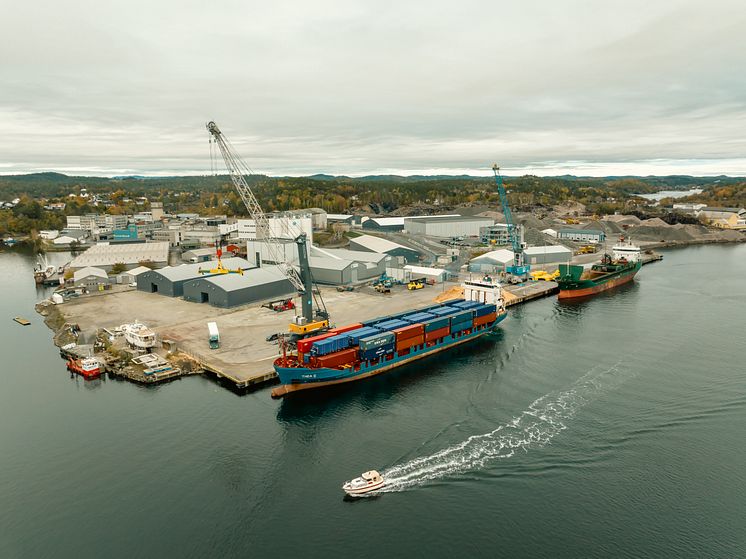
x=338 y=358
x=343 y=329
x=485 y=319
x=435 y=334
x=409 y=332
x=409 y=342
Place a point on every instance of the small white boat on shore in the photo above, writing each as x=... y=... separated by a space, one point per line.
x=369 y=481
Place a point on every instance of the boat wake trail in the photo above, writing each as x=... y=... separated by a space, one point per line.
x=533 y=428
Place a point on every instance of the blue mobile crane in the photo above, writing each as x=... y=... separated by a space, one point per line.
x=519 y=269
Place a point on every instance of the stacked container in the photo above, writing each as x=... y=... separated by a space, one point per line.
x=330 y=345
x=408 y=336
x=437 y=328
x=377 y=345
x=392 y=324
x=365 y=331
x=339 y=359
x=462 y=320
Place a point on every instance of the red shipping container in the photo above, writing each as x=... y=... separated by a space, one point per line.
x=485 y=319
x=338 y=358
x=407 y=332
x=304 y=345
x=343 y=329
x=435 y=334
x=409 y=342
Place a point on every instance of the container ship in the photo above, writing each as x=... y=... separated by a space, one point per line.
x=364 y=349
x=612 y=271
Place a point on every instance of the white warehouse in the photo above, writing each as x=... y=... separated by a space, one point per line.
x=446 y=227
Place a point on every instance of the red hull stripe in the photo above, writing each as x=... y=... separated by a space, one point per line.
x=572 y=293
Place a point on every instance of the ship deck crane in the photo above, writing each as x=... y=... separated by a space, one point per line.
x=307 y=322
x=519 y=268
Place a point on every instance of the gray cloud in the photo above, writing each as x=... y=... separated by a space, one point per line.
x=361 y=87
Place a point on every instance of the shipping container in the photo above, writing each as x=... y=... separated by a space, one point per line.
x=330 y=345
x=443 y=311
x=338 y=359
x=378 y=320
x=459 y=326
x=419 y=317
x=462 y=316
x=377 y=340
x=486 y=319
x=376 y=352
x=466 y=304
x=363 y=332
x=391 y=324
x=409 y=331
x=343 y=329
x=304 y=345
x=484 y=309
x=435 y=334
x=436 y=324
x=406 y=343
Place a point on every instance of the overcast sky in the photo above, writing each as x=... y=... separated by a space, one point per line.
x=351 y=87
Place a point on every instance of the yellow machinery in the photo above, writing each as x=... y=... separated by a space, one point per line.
x=412 y=285
x=308 y=327
x=541 y=275
x=571 y=221
x=587 y=249
x=220 y=268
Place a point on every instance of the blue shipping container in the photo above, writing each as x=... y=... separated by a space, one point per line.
x=376 y=352
x=466 y=304
x=459 y=326
x=355 y=335
x=462 y=315
x=392 y=324
x=442 y=311
x=484 y=310
x=330 y=345
x=436 y=324
x=377 y=341
x=419 y=317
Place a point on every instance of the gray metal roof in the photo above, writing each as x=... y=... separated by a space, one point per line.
x=328 y=263
x=354 y=255
x=104 y=254
x=450 y=219
x=250 y=278
x=191 y=271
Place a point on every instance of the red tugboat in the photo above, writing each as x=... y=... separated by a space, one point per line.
x=88 y=368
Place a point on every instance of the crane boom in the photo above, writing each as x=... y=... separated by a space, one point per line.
x=514 y=230
x=238 y=171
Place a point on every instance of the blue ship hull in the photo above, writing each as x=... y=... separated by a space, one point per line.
x=300 y=378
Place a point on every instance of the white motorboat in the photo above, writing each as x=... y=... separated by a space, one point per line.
x=138 y=335
x=369 y=481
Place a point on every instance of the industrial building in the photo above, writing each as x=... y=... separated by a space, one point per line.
x=437 y=275
x=198 y=255
x=130 y=276
x=346 y=267
x=497 y=234
x=446 y=226
x=371 y=243
x=492 y=262
x=170 y=281
x=232 y=290
x=90 y=277
x=105 y=255
x=547 y=255
x=280 y=227
x=390 y=224
x=582 y=235
x=70 y=236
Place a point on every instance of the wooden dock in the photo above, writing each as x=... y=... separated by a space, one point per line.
x=22 y=321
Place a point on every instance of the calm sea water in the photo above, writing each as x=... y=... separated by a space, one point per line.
x=608 y=428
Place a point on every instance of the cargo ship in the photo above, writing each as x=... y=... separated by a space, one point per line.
x=612 y=271
x=365 y=349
